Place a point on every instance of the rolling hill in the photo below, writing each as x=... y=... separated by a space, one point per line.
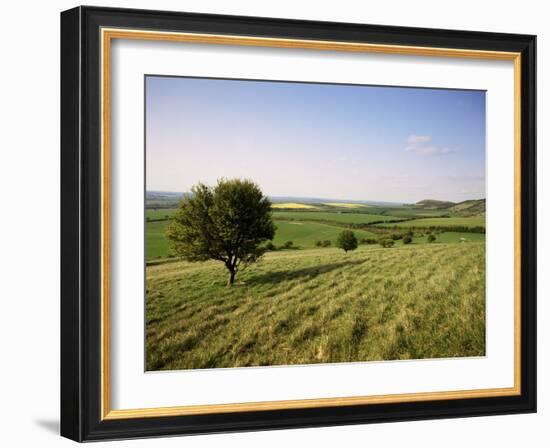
x=469 y=208
x=432 y=204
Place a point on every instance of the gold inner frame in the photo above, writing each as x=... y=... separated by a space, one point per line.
x=107 y=35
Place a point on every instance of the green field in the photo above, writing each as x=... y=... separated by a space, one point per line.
x=345 y=204
x=302 y=234
x=448 y=237
x=348 y=218
x=161 y=213
x=318 y=306
x=472 y=221
x=305 y=228
x=305 y=234
x=156 y=243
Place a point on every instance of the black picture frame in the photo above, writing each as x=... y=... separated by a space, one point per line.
x=81 y=224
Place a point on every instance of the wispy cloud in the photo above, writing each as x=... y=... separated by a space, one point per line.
x=418 y=139
x=421 y=145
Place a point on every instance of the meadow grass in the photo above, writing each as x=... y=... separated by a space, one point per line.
x=319 y=306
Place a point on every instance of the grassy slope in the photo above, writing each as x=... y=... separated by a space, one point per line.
x=319 y=305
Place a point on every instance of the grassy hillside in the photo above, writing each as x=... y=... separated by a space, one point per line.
x=317 y=306
x=469 y=208
x=430 y=204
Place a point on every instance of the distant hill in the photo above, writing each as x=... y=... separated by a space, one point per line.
x=432 y=204
x=170 y=199
x=472 y=207
x=469 y=208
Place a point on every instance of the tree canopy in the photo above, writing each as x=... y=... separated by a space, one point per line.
x=228 y=222
x=347 y=240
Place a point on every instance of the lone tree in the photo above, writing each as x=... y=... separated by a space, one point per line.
x=346 y=240
x=227 y=222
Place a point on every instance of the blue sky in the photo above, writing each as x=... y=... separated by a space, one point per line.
x=318 y=140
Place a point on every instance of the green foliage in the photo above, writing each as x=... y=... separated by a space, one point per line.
x=288 y=245
x=368 y=241
x=386 y=242
x=323 y=243
x=407 y=239
x=228 y=222
x=346 y=240
x=431 y=238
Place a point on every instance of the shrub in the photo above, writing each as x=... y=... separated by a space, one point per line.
x=407 y=239
x=396 y=236
x=288 y=245
x=386 y=242
x=323 y=243
x=347 y=240
x=270 y=246
x=368 y=241
x=431 y=238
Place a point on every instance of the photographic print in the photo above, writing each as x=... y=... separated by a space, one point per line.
x=295 y=223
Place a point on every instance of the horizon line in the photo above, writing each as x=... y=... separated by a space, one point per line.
x=336 y=199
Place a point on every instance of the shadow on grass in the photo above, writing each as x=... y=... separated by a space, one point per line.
x=292 y=274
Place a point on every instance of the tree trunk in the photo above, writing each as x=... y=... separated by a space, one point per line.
x=231 y=277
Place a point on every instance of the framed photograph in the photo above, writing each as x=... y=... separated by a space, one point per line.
x=272 y=223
